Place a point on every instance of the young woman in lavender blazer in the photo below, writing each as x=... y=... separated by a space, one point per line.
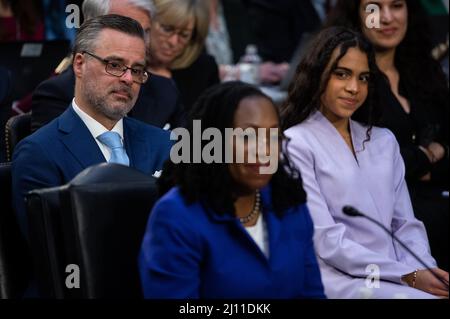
x=345 y=160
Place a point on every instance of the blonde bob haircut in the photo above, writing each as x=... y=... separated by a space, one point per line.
x=179 y=13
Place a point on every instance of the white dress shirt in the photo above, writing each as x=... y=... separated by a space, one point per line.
x=98 y=129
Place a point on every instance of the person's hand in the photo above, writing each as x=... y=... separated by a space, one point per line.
x=437 y=150
x=272 y=73
x=426 y=281
x=434 y=152
x=428 y=153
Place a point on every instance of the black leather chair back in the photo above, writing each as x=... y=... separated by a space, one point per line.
x=17 y=128
x=15 y=263
x=47 y=241
x=103 y=214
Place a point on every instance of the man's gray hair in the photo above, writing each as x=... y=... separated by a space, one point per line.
x=87 y=35
x=95 y=8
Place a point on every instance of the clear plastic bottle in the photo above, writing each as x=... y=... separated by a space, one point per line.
x=249 y=65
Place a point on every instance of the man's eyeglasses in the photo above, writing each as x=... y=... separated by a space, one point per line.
x=168 y=31
x=118 y=69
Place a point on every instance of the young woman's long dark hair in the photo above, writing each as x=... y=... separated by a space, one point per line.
x=312 y=77
x=212 y=184
x=419 y=72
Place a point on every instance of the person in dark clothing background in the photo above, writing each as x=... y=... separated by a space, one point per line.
x=21 y=20
x=279 y=25
x=158 y=103
x=177 y=40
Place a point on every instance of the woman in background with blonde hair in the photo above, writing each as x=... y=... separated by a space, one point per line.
x=177 y=40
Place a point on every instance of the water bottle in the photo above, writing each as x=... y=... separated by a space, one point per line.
x=249 y=65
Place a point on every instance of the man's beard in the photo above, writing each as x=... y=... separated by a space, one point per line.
x=100 y=104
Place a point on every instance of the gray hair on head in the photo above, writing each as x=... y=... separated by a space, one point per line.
x=95 y=8
x=88 y=33
x=146 y=5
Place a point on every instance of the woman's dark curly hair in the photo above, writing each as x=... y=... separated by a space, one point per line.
x=312 y=77
x=419 y=72
x=212 y=184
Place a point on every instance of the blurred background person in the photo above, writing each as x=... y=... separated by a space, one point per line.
x=227 y=50
x=220 y=219
x=158 y=103
x=438 y=18
x=21 y=20
x=55 y=19
x=414 y=104
x=278 y=25
x=177 y=47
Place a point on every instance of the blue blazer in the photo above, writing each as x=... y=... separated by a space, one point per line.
x=56 y=153
x=190 y=252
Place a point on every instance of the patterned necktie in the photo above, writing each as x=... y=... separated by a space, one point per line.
x=118 y=153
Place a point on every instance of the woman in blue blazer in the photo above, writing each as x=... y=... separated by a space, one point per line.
x=232 y=229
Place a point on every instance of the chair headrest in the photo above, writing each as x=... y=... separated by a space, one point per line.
x=105 y=173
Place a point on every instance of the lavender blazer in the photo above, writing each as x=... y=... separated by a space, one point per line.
x=350 y=249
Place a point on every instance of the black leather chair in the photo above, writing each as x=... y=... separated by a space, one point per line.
x=46 y=241
x=17 y=128
x=98 y=225
x=15 y=263
x=5 y=107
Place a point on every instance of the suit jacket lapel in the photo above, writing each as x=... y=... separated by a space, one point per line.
x=137 y=149
x=78 y=140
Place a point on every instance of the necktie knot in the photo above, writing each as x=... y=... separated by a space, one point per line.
x=113 y=141
x=110 y=139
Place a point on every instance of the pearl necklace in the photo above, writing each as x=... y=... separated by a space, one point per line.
x=255 y=210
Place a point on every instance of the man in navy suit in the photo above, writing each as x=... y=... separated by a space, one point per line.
x=109 y=67
x=159 y=101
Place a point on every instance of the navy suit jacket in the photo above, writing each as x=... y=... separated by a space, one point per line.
x=191 y=252
x=158 y=102
x=55 y=154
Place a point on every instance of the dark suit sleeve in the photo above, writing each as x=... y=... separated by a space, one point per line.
x=31 y=169
x=50 y=99
x=313 y=280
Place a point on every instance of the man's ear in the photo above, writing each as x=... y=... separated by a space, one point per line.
x=78 y=63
